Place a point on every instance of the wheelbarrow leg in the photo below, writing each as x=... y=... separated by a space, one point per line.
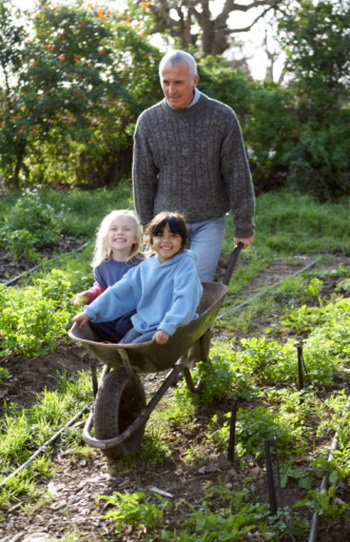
x=190 y=382
x=199 y=351
x=188 y=360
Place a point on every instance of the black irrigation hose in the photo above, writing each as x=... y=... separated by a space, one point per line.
x=323 y=487
x=43 y=448
x=269 y=287
x=16 y=279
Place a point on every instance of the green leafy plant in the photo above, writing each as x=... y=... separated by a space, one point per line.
x=325 y=504
x=134 y=509
x=4 y=376
x=30 y=225
x=301 y=475
x=314 y=289
x=255 y=426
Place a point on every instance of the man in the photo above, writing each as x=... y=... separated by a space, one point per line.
x=189 y=156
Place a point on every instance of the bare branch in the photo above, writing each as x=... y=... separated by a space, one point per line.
x=215 y=31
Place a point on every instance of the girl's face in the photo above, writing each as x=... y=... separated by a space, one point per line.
x=166 y=244
x=121 y=237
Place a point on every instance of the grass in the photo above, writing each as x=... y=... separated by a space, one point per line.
x=27 y=430
x=297 y=224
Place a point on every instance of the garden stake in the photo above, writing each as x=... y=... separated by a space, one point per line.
x=301 y=365
x=270 y=480
x=231 y=445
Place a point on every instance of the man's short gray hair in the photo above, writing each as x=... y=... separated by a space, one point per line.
x=176 y=57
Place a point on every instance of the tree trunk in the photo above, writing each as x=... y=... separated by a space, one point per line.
x=19 y=163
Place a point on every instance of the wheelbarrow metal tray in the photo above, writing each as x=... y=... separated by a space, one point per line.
x=150 y=357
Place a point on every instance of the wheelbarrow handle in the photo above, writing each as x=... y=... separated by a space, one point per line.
x=232 y=263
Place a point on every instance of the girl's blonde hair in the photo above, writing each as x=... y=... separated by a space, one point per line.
x=102 y=251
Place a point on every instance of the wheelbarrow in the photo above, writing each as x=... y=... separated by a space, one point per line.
x=120 y=412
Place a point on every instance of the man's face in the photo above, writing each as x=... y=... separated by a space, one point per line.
x=178 y=85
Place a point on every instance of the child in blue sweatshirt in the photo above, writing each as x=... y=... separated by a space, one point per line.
x=164 y=289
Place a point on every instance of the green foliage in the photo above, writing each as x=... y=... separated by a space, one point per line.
x=223 y=515
x=76 y=76
x=320 y=28
x=336 y=417
x=84 y=210
x=81 y=77
x=228 y=515
x=155 y=448
x=270 y=131
x=255 y=426
x=315 y=38
x=297 y=473
x=314 y=288
x=31 y=224
x=327 y=346
x=325 y=504
x=4 y=376
x=220 y=82
x=319 y=162
x=216 y=376
x=34 y=319
x=134 y=509
x=217 y=527
x=267 y=360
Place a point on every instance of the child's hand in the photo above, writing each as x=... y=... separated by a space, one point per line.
x=160 y=337
x=82 y=318
x=80 y=299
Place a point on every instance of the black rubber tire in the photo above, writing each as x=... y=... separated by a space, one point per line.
x=117 y=405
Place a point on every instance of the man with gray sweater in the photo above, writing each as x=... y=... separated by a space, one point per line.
x=189 y=156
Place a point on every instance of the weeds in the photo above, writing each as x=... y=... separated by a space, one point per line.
x=135 y=509
x=325 y=504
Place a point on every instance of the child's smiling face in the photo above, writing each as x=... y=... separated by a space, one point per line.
x=166 y=244
x=121 y=235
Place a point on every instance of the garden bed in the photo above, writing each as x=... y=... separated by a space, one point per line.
x=78 y=480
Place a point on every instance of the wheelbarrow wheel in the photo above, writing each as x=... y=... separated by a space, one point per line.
x=117 y=405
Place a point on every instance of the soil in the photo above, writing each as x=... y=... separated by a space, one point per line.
x=11 y=270
x=78 y=480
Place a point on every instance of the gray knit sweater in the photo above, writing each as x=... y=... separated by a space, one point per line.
x=192 y=160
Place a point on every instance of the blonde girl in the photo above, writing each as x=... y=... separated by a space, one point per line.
x=117 y=250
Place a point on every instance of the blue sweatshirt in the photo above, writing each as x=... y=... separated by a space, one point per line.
x=165 y=295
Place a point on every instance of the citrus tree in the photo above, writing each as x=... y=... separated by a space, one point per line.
x=70 y=92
